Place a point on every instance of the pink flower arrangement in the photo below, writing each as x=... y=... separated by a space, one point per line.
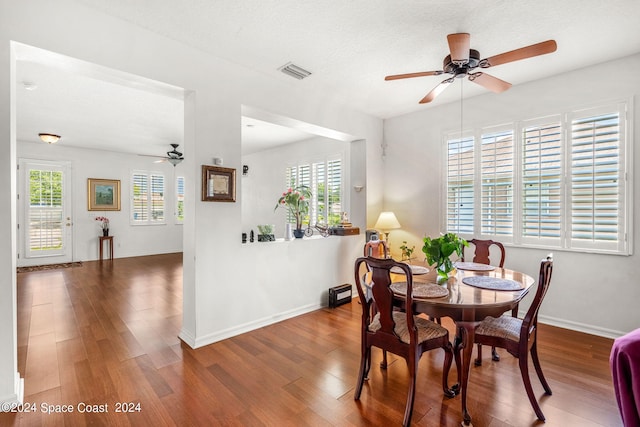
x=297 y=201
x=104 y=222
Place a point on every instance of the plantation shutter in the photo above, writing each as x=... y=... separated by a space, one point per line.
x=496 y=178
x=460 y=173
x=180 y=199
x=319 y=202
x=157 y=198
x=595 y=179
x=140 y=197
x=334 y=191
x=542 y=181
x=324 y=179
x=147 y=198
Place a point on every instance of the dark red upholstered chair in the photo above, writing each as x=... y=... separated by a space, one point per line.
x=399 y=332
x=519 y=336
x=625 y=370
x=482 y=249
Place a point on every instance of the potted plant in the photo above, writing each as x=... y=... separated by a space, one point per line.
x=439 y=250
x=104 y=224
x=407 y=251
x=296 y=200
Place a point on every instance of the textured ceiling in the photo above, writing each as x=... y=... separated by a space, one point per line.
x=349 y=46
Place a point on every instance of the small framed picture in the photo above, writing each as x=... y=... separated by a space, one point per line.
x=218 y=184
x=103 y=194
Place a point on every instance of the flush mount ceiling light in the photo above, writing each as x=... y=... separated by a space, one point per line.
x=49 y=138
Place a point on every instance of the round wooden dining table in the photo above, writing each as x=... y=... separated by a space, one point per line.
x=468 y=304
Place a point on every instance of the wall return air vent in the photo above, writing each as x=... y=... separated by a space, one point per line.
x=293 y=70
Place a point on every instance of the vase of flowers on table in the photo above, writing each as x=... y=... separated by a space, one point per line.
x=104 y=224
x=439 y=250
x=296 y=200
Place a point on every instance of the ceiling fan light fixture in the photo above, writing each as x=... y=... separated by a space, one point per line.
x=174 y=160
x=49 y=138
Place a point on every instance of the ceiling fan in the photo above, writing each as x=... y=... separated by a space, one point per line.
x=174 y=156
x=463 y=60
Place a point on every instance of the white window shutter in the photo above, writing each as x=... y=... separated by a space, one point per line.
x=595 y=181
x=460 y=182
x=496 y=183
x=542 y=182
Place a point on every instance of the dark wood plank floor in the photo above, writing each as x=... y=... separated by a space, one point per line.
x=106 y=334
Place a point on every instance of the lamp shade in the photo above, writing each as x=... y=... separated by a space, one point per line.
x=387 y=221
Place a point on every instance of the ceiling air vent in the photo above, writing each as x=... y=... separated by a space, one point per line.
x=294 y=71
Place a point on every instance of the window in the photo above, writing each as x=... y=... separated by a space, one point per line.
x=554 y=182
x=147 y=198
x=597 y=180
x=541 y=182
x=460 y=180
x=179 y=215
x=325 y=179
x=496 y=170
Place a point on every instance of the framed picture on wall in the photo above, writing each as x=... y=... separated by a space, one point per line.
x=103 y=194
x=218 y=184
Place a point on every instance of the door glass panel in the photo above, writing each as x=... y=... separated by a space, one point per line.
x=45 y=236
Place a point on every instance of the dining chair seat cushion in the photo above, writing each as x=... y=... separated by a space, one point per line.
x=502 y=327
x=426 y=328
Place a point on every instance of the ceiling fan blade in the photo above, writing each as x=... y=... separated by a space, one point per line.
x=436 y=91
x=537 y=49
x=487 y=81
x=411 y=75
x=459 y=45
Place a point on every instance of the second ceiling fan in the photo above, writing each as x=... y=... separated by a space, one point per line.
x=463 y=60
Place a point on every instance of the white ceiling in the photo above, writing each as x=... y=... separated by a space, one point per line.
x=349 y=46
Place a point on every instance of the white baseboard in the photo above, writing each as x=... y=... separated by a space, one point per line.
x=194 y=342
x=250 y=326
x=187 y=337
x=16 y=399
x=580 y=327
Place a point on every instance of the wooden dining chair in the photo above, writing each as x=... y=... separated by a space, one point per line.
x=519 y=336
x=399 y=332
x=481 y=255
x=377 y=249
x=483 y=249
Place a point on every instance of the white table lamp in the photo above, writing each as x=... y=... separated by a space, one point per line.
x=387 y=221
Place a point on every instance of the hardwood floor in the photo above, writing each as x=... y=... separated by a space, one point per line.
x=105 y=334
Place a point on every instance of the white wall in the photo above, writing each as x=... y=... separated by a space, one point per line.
x=593 y=293
x=265 y=182
x=219 y=277
x=129 y=240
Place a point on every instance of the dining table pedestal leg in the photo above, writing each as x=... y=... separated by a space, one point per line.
x=464 y=342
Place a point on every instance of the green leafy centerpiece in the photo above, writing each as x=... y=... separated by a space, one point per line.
x=439 y=250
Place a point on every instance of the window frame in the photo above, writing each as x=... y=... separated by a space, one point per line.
x=149 y=202
x=311 y=164
x=621 y=246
